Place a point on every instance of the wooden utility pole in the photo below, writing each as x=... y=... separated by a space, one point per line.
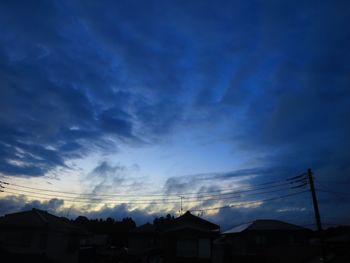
x=314 y=200
x=317 y=214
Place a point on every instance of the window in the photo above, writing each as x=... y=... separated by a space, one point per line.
x=43 y=240
x=204 y=248
x=186 y=248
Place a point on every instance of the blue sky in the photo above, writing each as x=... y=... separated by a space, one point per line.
x=140 y=97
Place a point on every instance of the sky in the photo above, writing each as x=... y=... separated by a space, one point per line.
x=140 y=100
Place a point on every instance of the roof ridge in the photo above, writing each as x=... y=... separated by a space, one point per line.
x=40 y=215
x=189 y=215
x=279 y=221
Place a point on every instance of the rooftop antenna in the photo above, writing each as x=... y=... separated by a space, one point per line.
x=200 y=213
x=181 y=208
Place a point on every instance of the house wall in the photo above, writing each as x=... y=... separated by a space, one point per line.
x=62 y=247
x=39 y=236
x=138 y=244
x=187 y=249
x=265 y=245
x=22 y=241
x=252 y=242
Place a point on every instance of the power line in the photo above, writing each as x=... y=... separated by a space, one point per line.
x=139 y=201
x=96 y=200
x=162 y=199
x=334 y=182
x=85 y=198
x=252 y=189
x=288 y=179
x=240 y=204
x=249 y=202
x=326 y=189
x=334 y=192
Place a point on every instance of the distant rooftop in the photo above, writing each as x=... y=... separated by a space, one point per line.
x=190 y=218
x=264 y=224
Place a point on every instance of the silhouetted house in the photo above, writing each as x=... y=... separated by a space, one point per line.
x=145 y=243
x=143 y=239
x=36 y=234
x=266 y=241
x=96 y=240
x=189 y=239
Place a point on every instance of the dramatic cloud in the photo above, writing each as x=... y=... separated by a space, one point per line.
x=188 y=183
x=108 y=178
x=103 y=79
x=13 y=204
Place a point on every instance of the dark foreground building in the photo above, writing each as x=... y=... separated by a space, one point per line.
x=37 y=236
x=265 y=241
x=187 y=238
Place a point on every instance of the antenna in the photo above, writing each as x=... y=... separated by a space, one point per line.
x=181 y=208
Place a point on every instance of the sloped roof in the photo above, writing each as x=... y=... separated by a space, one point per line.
x=264 y=224
x=186 y=221
x=189 y=220
x=36 y=218
x=238 y=229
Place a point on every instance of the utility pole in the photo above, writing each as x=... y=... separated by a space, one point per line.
x=317 y=213
x=314 y=200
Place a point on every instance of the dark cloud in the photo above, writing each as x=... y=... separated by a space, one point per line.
x=140 y=216
x=50 y=107
x=188 y=183
x=13 y=204
x=78 y=79
x=105 y=69
x=297 y=210
x=273 y=199
x=109 y=178
x=104 y=169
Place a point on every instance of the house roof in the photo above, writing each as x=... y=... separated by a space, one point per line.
x=36 y=218
x=192 y=221
x=264 y=224
x=186 y=221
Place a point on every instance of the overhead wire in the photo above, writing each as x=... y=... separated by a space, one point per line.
x=11 y=188
x=213 y=198
x=238 y=204
x=285 y=181
x=247 y=190
x=249 y=202
x=228 y=195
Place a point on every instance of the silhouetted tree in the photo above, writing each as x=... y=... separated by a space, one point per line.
x=117 y=231
x=163 y=222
